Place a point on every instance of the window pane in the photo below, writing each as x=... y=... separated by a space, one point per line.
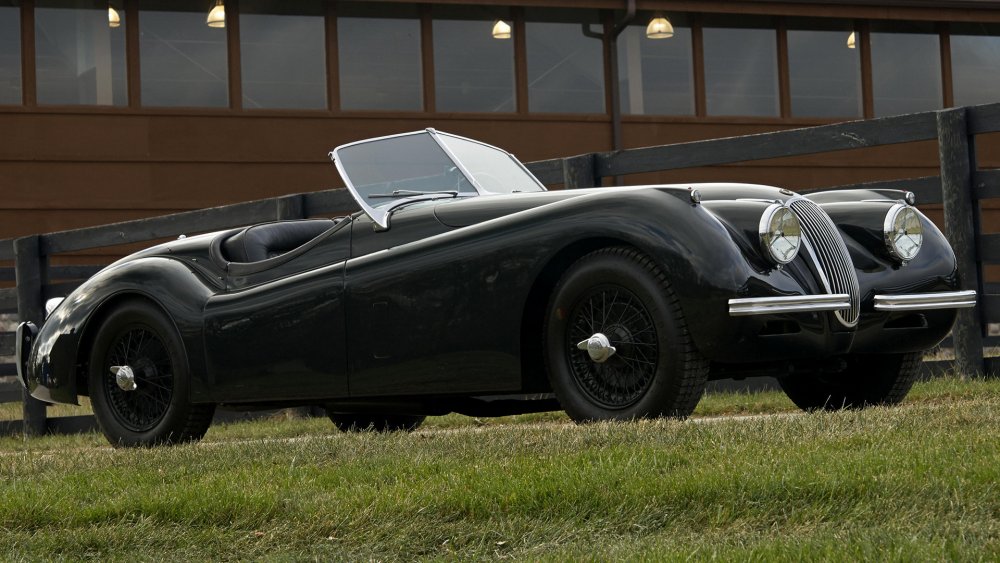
x=380 y=62
x=825 y=74
x=473 y=71
x=975 y=63
x=10 y=55
x=656 y=75
x=183 y=61
x=906 y=68
x=741 y=66
x=565 y=67
x=283 y=54
x=79 y=57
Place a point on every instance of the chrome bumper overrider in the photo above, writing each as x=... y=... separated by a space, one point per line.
x=922 y=301
x=788 y=304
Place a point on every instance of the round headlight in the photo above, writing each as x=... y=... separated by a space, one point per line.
x=903 y=232
x=780 y=234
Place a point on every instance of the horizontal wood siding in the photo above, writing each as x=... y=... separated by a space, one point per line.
x=64 y=170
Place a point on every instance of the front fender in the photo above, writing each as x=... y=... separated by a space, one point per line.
x=60 y=353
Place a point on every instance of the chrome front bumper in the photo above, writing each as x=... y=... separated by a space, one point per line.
x=788 y=304
x=923 y=301
x=840 y=301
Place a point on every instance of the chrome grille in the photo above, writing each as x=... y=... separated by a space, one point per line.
x=831 y=253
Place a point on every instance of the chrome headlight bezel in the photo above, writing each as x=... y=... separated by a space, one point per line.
x=898 y=219
x=775 y=222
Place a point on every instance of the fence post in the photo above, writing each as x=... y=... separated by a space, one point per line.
x=578 y=172
x=30 y=273
x=957 y=157
x=290 y=207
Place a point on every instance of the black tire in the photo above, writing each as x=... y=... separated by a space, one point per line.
x=868 y=380
x=158 y=412
x=349 y=422
x=656 y=369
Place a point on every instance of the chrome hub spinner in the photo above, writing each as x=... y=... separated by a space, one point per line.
x=124 y=377
x=598 y=347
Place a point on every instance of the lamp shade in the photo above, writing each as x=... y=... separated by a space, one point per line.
x=114 y=20
x=501 y=30
x=217 y=17
x=852 y=41
x=659 y=28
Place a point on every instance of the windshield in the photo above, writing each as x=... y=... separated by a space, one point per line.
x=494 y=170
x=388 y=172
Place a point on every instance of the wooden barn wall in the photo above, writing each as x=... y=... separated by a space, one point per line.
x=62 y=170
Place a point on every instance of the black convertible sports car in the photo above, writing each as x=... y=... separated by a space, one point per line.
x=463 y=285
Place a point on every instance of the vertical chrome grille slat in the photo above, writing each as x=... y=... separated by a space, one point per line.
x=831 y=252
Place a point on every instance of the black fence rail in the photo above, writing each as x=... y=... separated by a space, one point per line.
x=960 y=186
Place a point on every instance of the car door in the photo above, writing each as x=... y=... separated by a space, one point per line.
x=282 y=338
x=425 y=322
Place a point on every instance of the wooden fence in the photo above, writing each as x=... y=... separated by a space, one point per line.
x=959 y=187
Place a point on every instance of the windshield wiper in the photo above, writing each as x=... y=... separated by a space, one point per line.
x=408 y=193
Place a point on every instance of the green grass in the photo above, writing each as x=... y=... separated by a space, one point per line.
x=916 y=482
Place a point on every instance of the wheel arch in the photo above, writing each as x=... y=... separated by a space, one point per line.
x=533 y=376
x=146 y=280
x=93 y=325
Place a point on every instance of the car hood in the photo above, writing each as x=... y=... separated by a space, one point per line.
x=469 y=211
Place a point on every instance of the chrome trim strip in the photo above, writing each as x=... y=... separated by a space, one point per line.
x=788 y=304
x=923 y=301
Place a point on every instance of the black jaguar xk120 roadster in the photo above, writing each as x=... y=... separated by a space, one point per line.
x=464 y=286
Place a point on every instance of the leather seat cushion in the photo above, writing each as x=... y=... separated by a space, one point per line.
x=260 y=242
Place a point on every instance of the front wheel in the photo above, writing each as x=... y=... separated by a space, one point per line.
x=868 y=380
x=616 y=342
x=139 y=380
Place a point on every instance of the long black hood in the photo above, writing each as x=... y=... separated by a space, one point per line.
x=469 y=211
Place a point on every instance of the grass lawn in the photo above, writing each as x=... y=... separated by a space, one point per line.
x=916 y=482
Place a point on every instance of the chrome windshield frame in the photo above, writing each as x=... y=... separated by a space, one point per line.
x=380 y=215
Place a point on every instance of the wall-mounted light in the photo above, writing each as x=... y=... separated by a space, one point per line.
x=501 y=30
x=217 y=17
x=114 y=20
x=852 y=41
x=659 y=28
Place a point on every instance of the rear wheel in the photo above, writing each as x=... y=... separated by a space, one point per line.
x=617 y=346
x=139 y=380
x=869 y=380
x=347 y=422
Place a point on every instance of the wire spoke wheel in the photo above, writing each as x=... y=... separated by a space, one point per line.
x=139 y=381
x=616 y=342
x=141 y=409
x=626 y=375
